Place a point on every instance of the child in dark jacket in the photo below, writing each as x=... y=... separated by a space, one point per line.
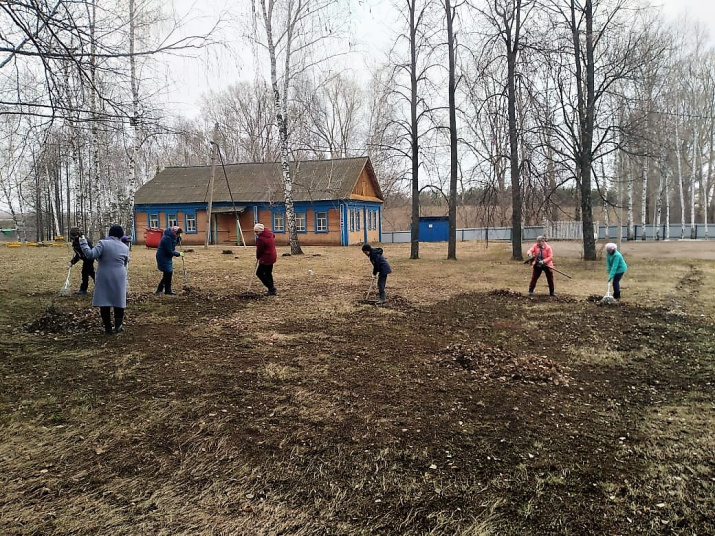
x=87 y=264
x=379 y=266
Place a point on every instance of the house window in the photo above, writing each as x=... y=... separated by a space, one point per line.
x=171 y=220
x=279 y=222
x=191 y=223
x=300 y=222
x=358 y=217
x=352 y=219
x=321 y=222
x=153 y=220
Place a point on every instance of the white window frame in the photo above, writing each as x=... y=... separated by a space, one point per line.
x=191 y=223
x=319 y=219
x=300 y=217
x=282 y=227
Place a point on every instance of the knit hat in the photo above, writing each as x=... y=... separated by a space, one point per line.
x=611 y=246
x=541 y=238
x=116 y=231
x=258 y=228
x=74 y=231
x=366 y=247
x=176 y=230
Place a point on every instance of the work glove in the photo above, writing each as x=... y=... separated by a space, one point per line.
x=69 y=264
x=374 y=276
x=540 y=264
x=181 y=254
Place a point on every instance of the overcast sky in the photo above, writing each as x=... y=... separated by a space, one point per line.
x=216 y=69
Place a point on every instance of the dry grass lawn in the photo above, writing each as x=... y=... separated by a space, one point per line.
x=461 y=407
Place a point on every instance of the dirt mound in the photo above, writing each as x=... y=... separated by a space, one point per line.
x=492 y=362
x=505 y=293
x=54 y=321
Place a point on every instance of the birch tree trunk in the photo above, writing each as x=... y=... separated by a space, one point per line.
x=133 y=123
x=708 y=177
x=679 y=166
x=629 y=193
x=93 y=208
x=666 y=235
x=693 y=183
x=605 y=198
x=281 y=108
x=658 y=199
x=644 y=197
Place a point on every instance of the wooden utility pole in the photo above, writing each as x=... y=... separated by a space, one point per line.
x=214 y=150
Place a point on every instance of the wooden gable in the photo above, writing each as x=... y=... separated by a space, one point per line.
x=366 y=188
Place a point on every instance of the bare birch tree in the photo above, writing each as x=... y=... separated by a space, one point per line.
x=293 y=29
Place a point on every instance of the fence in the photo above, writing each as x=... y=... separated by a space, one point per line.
x=573 y=231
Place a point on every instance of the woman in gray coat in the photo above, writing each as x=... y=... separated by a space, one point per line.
x=110 y=287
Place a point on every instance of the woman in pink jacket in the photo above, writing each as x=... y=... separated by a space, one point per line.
x=265 y=256
x=543 y=261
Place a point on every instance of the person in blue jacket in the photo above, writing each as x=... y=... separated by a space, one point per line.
x=165 y=254
x=616 y=267
x=110 y=289
x=379 y=266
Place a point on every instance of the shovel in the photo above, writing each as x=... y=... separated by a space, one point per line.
x=65 y=290
x=608 y=299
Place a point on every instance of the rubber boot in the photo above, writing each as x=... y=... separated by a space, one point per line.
x=118 y=320
x=106 y=315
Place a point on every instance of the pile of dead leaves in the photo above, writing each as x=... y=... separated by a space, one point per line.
x=54 y=321
x=494 y=363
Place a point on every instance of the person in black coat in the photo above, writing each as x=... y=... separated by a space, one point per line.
x=87 y=264
x=379 y=266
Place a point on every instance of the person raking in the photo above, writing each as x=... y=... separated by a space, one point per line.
x=380 y=269
x=542 y=260
x=87 y=264
x=266 y=257
x=616 y=267
x=165 y=254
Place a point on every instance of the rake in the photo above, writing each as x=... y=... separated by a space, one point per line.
x=65 y=290
x=248 y=293
x=608 y=299
x=373 y=285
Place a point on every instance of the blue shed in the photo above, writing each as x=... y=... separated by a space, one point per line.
x=434 y=228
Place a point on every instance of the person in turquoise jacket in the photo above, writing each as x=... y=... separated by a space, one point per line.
x=616 y=267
